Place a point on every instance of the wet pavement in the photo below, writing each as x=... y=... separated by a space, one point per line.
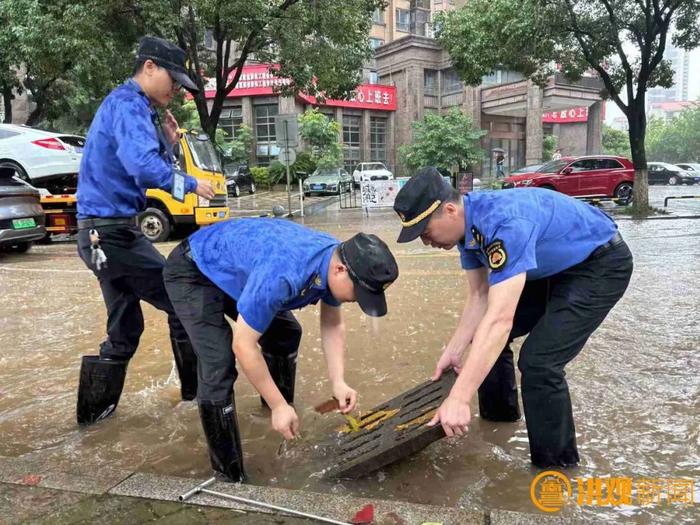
x=262 y=202
x=635 y=386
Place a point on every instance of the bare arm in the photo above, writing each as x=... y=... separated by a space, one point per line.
x=488 y=342
x=473 y=312
x=245 y=347
x=333 y=341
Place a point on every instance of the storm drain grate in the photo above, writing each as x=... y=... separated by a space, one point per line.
x=392 y=431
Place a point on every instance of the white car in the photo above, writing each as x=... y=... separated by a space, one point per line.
x=36 y=154
x=371 y=171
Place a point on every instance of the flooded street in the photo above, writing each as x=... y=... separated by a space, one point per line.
x=635 y=387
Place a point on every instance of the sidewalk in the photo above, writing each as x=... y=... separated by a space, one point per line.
x=35 y=492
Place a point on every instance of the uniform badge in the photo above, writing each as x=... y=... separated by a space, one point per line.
x=472 y=243
x=497 y=255
x=478 y=238
x=317 y=280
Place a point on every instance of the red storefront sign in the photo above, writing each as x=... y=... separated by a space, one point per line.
x=579 y=114
x=256 y=80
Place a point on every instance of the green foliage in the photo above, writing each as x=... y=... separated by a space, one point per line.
x=304 y=163
x=549 y=146
x=261 y=175
x=323 y=136
x=239 y=148
x=278 y=173
x=444 y=141
x=616 y=142
x=676 y=140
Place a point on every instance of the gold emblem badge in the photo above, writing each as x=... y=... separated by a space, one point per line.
x=317 y=281
x=496 y=254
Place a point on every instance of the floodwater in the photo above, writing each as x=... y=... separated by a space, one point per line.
x=635 y=386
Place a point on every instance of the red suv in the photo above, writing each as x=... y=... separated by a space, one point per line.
x=591 y=176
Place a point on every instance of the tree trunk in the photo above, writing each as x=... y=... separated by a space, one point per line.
x=37 y=114
x=637 y=133
x=7 y=103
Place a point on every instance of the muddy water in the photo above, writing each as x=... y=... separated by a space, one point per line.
x=635 y=387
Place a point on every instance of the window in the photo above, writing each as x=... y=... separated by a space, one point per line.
x=265 y=133
x=403 y=20
x=378 y=17
x=351 y=140
x=451 y=82
x=373 y=77
x=421 y=4
x=6 y=134
x=584 y=165
x=608 y=164
x=230 y=121
x=430 y=82
x=377 y=139
x=374 y=43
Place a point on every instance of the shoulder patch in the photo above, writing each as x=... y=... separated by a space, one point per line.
x=477 y=237
x=496 y=255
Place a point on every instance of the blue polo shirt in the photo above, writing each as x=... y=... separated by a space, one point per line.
x=123 y=157
x=537 y=231
x=266 y=265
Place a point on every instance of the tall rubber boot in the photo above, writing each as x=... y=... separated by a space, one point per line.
x=101 y=384
x=186 y=362
x=221 y=430
x=283 y=370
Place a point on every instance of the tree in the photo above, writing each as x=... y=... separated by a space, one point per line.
x=320 y=45
x=549 y=146
x=676 y=140
x=622 y=41
x=443 y=141
x=615 y=142
x=323 y=136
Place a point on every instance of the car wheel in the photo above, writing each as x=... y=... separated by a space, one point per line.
x=20 y=247
x=252 y=188
x=19 y=169
x=623 y=193
x=673 y=180
x=155 y=225
x=236 y=191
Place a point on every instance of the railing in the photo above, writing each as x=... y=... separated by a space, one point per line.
x=348 y=196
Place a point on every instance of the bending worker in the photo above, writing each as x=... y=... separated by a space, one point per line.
x=127 y=152
x=536 y=262
x=255 y=271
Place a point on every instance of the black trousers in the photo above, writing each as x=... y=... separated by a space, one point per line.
x=134 y=273
x=559 y=313
x=203 y=307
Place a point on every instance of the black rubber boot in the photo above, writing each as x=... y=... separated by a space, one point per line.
x=101 y=384
x=221 y=430
x=283 y=370
x=186 y=362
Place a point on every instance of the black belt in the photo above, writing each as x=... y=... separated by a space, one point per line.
x=600 y=250
x=98 y=222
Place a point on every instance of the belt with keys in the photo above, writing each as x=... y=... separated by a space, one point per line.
x=97 y=256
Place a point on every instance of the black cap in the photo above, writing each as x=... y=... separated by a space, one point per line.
x=372 y=268
x=167 y=55
x=417 y=201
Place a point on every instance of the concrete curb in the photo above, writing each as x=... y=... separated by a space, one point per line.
x=88 y=479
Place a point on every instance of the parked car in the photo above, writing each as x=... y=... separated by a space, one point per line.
x=37 y=154
x=371 y=171
x=238 y=179
x=21 y=215
x=532 y=168
x=665 y=173
x=691 y=168
x=590 y=176
x=328 y=180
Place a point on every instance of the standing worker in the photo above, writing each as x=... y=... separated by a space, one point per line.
x=255 y=271
x=127 y=152
x=537 y=262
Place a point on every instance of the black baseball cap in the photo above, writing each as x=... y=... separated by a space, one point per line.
x=418 y=199
x=167 y=55
x=372 y=268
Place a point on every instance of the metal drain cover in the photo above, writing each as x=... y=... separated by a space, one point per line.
x=392 y=431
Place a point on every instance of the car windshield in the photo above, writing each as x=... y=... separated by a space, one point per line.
x=553 y=166
x=203 y=153
x=368 y=167
x=325 y=173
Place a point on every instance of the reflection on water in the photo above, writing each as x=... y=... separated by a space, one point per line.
x=635 y=387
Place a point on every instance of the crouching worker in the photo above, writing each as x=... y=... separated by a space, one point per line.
x=255 y=271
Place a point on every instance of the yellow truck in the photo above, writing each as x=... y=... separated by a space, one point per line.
x=197 y=156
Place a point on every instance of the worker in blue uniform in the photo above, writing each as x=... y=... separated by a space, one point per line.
x=127 y=152
x=255 y=271
x=536 y=262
